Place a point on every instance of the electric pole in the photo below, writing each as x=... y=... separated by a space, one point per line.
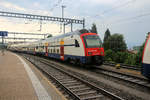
x=63 y=17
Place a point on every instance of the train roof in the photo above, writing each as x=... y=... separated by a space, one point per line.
x=78 y=32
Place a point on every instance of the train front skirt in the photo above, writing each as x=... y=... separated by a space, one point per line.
x=146 y=70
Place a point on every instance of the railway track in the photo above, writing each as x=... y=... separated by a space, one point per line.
x=75 y=87
x=123 y=66
x=124 y=77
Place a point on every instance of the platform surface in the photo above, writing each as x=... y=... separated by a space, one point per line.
x=19 y=82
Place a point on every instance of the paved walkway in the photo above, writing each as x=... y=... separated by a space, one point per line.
x=18 y=81
x=14 y=81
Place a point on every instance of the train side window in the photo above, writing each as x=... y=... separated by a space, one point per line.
x=57 y=50
x=76 y=43
x=41 y=47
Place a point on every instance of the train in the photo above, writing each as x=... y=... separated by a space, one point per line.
x=146 y=58
x=79 y=47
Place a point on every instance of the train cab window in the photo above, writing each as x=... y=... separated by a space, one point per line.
x=76 y=43
x=92 y=41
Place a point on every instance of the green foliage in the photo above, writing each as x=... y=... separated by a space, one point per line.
x=130 y=60
x=109 y=55
x=120 y=57
x=123 y=57
x=94 y=28
x=107 y=35
x=116 y=43
x=115 y=51
x=115 y=47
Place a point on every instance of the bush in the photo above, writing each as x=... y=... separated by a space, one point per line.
x=120 y=57
x=131 y=59
x=108 y=55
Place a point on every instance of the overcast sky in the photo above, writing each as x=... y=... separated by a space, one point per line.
x=128 y=17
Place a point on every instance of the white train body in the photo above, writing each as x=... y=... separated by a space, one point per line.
x=146 y=58
x=78 y=46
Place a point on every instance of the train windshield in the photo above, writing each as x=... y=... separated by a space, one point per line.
x=92 y=41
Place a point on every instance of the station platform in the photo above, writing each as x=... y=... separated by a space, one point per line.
x=20 y=80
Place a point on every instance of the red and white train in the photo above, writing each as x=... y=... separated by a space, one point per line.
x=80 y=46
x=146 y=58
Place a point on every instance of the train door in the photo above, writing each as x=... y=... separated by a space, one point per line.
x=62 y=49
x=146 y=58
x=46 y=49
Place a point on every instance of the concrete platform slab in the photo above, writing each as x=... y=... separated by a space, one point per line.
x=18 y=81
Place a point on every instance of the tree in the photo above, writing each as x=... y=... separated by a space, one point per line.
x=50 y=35
x=116 y=43
x=107 y=35
x=94 y=28
x=105 y=42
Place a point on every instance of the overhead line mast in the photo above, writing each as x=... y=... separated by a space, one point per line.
x=63 y=6
x=39 y=17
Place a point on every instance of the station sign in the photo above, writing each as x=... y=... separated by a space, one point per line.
x=3 y=33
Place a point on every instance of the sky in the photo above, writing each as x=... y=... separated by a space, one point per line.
x=128 y=17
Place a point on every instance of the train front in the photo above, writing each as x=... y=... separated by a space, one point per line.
x=94 y=52
x=146 y=58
